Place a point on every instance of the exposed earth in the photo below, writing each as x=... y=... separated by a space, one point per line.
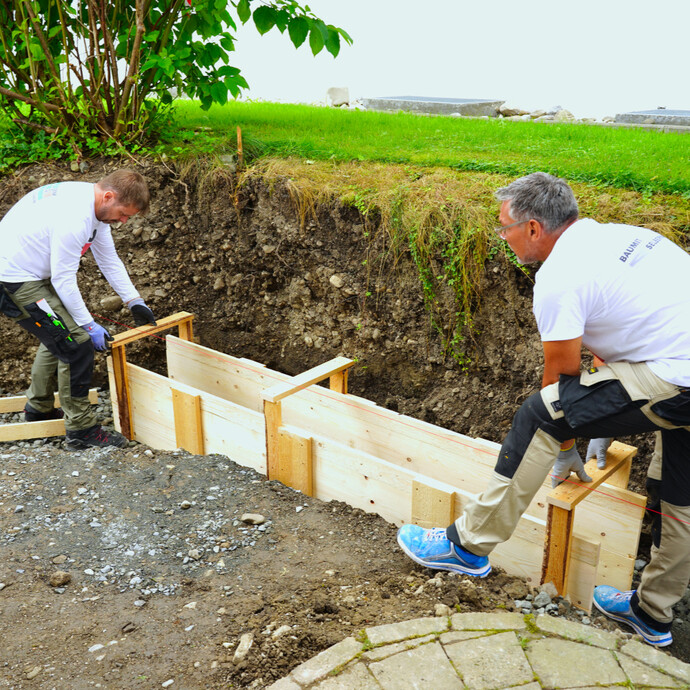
x=159 y=567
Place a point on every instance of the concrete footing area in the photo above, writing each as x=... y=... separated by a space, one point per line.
x=468 y=107
x=486 y=651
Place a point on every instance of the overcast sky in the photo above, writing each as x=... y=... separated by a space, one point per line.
x=593 y=57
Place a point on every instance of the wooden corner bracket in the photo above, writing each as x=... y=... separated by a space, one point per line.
x=289 y=454
x=561 y=511
x=183 y=320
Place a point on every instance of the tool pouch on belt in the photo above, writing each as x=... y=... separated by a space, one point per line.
x=594 y=395
x=52 y=329
x=7 y=304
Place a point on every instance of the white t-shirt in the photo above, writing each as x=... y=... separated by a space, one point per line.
x=625 y=290
x=46 y=233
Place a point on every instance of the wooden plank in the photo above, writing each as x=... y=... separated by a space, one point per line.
x=431 y=507
x=568 y=494
x=186 y=331
x=621 y=477
x=295 y=461
x=307 y=378
x=559 y=534
x=228 y=429
x=273 y=419
x=338 y=382
x=122 y=392
x=16 y=403
x=113 y=395
x=134 y=334
x=187 y=416
x=236 y=379
x=23 y=431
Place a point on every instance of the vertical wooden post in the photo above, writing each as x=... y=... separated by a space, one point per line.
x=186 y=331
x=273 y=417
x=188 y=430
x=431 y=507
x=559 y=537
x=240 y=149
x=295 y=461
x=338 y=382
x=124 y=403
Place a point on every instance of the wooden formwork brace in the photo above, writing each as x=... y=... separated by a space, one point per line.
x=288 y=453
x=24 y=431
x=342 y=447
x=561 y=510
x=183 y=320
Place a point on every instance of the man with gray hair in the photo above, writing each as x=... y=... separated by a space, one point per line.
x=623 y=292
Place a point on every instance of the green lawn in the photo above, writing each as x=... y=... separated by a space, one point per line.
x=630 y=158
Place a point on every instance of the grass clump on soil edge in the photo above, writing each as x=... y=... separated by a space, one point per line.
x=444 y=221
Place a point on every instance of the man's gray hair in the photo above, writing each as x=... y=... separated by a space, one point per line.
x=541 y=196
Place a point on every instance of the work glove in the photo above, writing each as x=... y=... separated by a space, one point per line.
x=568 y=461
x=141 y=313
x=99 y=336
x=598 y=447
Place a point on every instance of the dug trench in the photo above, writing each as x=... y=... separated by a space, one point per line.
x=161 y=579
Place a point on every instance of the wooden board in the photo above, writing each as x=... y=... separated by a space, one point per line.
x=306 y=379
x=16 y=403
x=28 y=430
x=228 y=429
x=187 y=418
x=133 y=334
x=568 y=494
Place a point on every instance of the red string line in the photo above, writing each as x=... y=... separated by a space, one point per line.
x=327 y=393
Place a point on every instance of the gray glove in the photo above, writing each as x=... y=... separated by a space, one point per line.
x=598 y=447
x=568 y=461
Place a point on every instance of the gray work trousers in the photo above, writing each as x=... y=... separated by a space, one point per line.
x=614 y=400
x=65 y=356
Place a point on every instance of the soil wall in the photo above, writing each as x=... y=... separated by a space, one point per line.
x=293 y=292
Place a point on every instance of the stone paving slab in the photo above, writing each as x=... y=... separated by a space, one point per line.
x=577 y=632
x=488 y=651
x=641 y=674
x=565 y=664
x=424 y=667
x=387 y=650
x=488 y=621
x=494 y=661
x=393 y=632
x=658 y=659
x=326 y=662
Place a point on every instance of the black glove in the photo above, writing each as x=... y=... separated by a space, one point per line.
x=141 y=313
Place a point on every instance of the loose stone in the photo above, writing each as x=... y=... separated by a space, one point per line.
x=243 y=647
x=253 y=519
x=60 y=578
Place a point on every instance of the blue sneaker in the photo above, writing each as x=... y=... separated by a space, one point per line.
x=615 y=604
x=431 y=548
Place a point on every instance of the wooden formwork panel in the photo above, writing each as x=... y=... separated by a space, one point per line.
x=228 y=428
x=373 y=458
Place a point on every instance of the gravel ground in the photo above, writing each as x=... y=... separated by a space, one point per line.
x=131 y=568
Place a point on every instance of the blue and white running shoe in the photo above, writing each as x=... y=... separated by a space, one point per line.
x=616 y=604
x=433 y=549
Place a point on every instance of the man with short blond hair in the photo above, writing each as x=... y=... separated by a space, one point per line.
x=42 y=239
